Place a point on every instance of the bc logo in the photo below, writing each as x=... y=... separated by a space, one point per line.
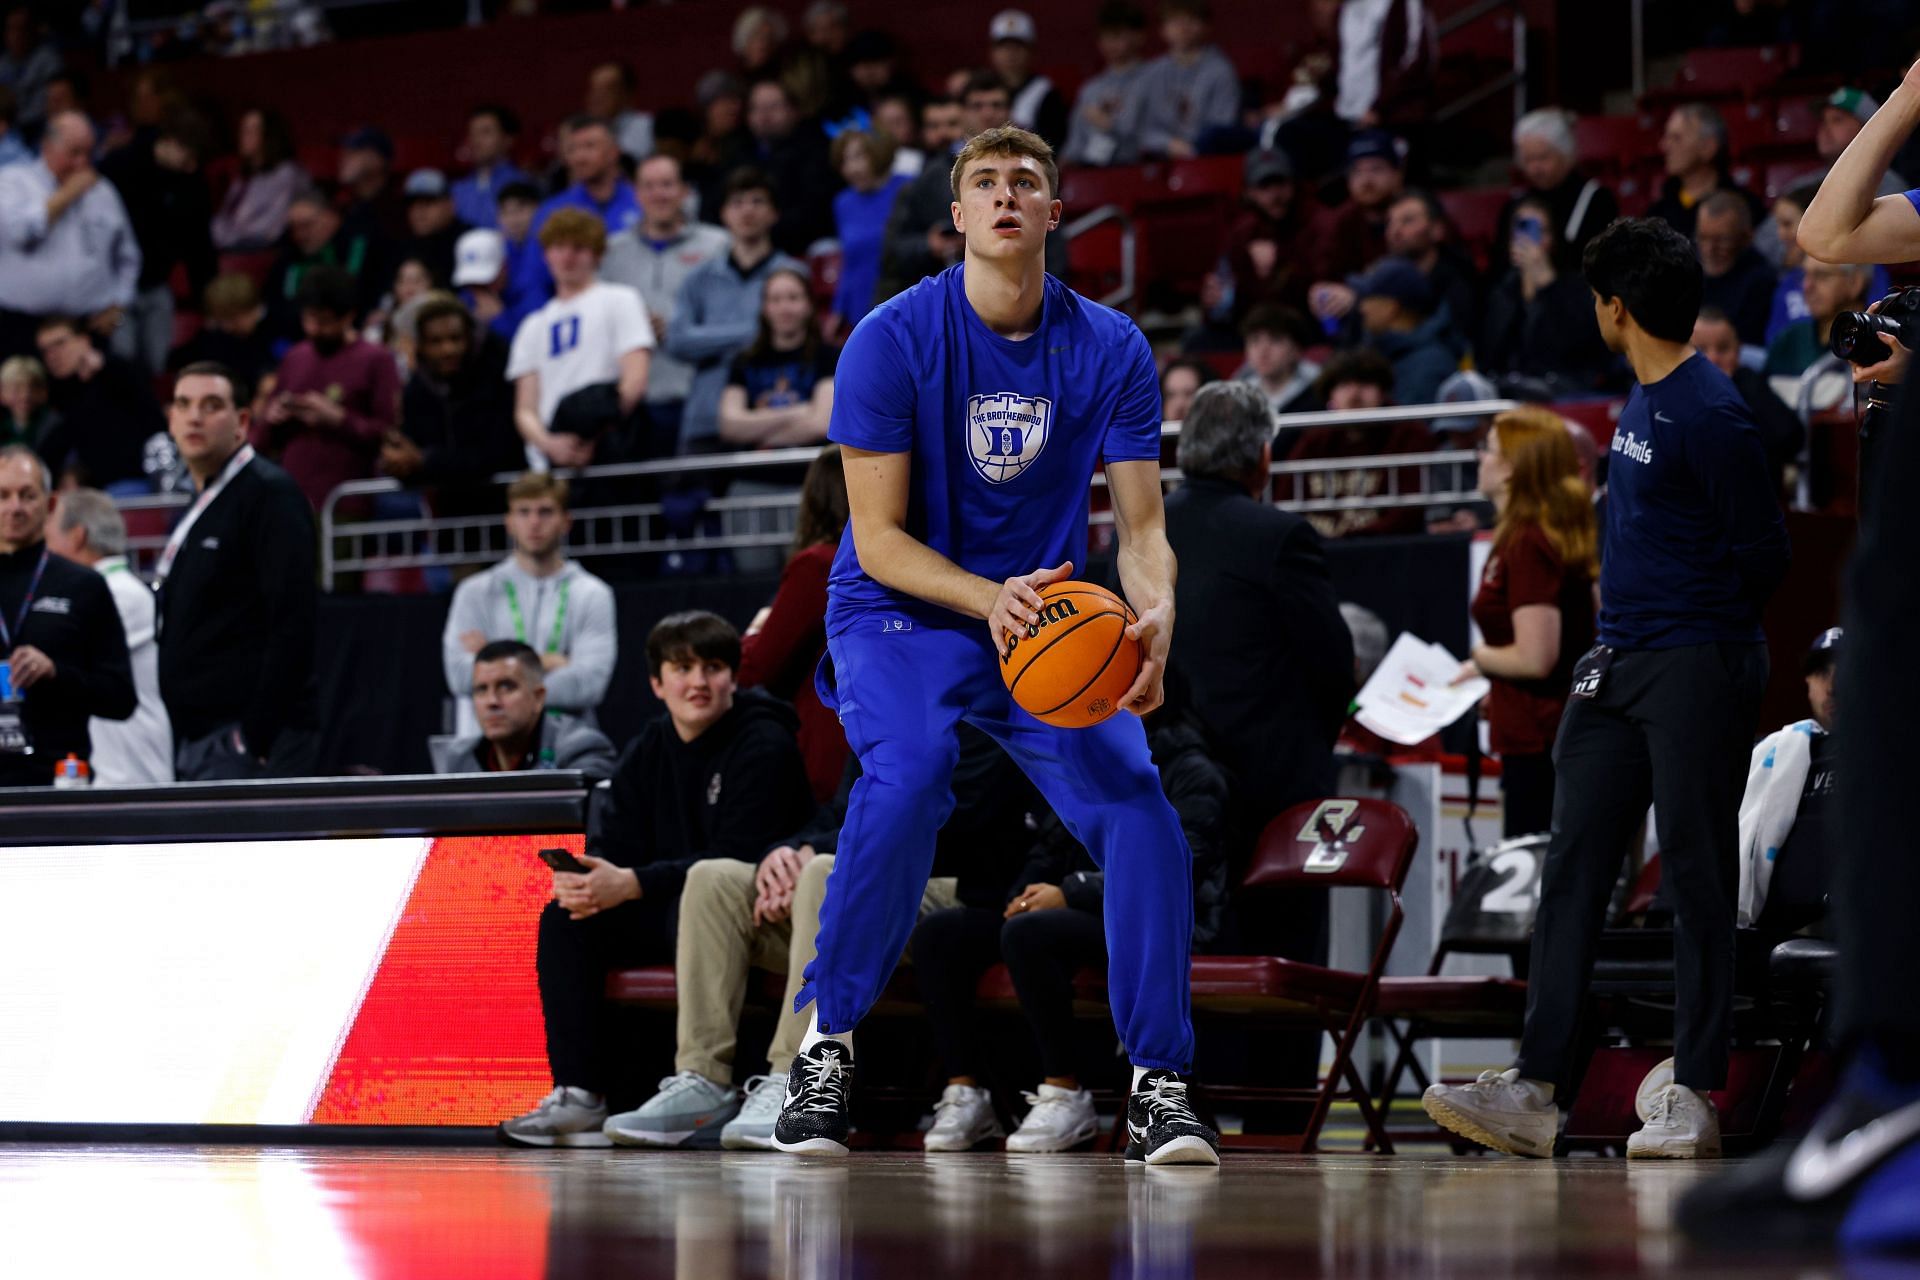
x=1329 y=827
x=1006 y=432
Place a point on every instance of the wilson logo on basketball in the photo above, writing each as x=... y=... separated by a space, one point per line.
x=1072 y=668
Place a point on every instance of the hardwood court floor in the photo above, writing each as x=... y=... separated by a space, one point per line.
x=477 y=1214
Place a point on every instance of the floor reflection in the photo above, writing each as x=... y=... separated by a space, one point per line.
x=482 y=1213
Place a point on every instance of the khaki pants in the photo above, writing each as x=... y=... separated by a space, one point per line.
x=719 y=942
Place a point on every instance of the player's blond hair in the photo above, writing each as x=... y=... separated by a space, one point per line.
x=1007 y=140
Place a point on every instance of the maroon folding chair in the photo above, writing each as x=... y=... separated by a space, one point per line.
x=1325 y=844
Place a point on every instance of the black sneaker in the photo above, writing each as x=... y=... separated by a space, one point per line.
x=813 y=1118
x=1852 y=1181
x=1162 y=1126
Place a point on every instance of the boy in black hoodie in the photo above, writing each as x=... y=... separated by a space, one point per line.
x=718 y=776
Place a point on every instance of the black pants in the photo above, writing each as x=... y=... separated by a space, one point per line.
x=1671 y=726
x=573 y=959
x=1876 y=887
x=295 y=754
x=1526 y=794
x=1043 y=950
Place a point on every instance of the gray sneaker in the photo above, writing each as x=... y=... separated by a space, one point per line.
x=687 y=1103
x=752 y=1129
x=565 y=1118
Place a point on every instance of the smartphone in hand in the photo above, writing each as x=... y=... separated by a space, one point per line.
x=562 y=860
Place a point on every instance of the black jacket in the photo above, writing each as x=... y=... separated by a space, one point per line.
x=1745 y=293
x=995 y=808
x=106 y=421
x=465 y=430
x=1553 y=338
x=237 y=614
x=1258 y=644
x=1197 y=787
x=726 y=794
x=74 y=621
x=171 y=213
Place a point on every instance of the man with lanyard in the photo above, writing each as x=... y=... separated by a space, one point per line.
x=540 y=598
x=65 y=654
x=516 y=734
x=237 y=598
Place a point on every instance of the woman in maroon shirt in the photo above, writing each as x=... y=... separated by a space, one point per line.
x=785 y=643
x=1535 y=603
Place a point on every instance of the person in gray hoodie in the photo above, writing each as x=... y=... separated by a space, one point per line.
x=516 y=733
x=655 y=257
x=540 y=598
x=717 y=312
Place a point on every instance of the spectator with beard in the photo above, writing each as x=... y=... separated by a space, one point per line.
x=1036 y=105
x=1416 y=231
x=656 y=258
x=107 y=412
x=1352 y=236
x=253 y=212
x=456 y=415
x=335 y=397
x=1093 y=136
x=491 y=131
x=1577 y=206
x=1738 y=279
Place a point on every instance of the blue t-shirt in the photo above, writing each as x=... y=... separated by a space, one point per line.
x=1694 y=538
x=1005 y=435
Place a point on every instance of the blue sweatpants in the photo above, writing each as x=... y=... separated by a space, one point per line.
x=901 y=694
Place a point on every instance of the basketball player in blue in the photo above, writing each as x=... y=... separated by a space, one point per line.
x=971 y=411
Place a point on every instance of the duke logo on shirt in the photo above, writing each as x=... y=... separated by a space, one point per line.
x=1006 y=432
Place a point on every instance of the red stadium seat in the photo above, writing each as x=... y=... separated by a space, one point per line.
x=1207 y=176
x=1613 y=144
x=1782 y=175
x=1599 y=417
x=1475 y=215
x=1734 y=73
x=1796 y=121
x=1356 y=844
x=1084 y=190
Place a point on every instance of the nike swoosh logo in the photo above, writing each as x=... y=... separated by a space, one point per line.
x=1818 y=1168
x=1135 y=1132
x=1661 y=417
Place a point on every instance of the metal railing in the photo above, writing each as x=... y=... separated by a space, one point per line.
x=1515 y=79
x=355 y=538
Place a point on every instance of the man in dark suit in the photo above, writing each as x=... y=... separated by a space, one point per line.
x=1264 y=654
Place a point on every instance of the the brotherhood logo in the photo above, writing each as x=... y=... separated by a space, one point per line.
x=1006 y=432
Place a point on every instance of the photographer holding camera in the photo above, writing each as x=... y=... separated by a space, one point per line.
x=1853 y=1179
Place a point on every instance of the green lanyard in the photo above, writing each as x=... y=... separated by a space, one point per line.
x=520 y=624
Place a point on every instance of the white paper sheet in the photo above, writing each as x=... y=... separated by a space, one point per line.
x=1409 y=697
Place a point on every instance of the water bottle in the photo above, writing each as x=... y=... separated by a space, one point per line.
x=72 y=772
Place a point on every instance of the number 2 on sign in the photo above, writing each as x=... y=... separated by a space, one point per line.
x=565 y=335
x=1514 y=895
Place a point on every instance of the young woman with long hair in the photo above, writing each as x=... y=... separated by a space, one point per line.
x=1534 y=607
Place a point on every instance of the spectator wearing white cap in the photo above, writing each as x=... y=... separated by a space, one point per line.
x=1093 y=135
x=432 y=229
x=655 y=257
x=481 y=278
x=1037 y=105
x=1187 y=91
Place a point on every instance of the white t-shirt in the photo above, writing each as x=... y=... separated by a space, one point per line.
x=579 y=342
x=138 y=751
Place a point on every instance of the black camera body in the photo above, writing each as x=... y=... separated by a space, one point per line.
x=1856 y=334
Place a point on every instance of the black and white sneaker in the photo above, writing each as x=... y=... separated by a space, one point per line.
x=813 y=1117
x=1162 y=1126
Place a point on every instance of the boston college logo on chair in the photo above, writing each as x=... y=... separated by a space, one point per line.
x=1327 y=828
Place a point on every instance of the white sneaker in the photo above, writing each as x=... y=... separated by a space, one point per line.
x=685 y=1104
x=1657 y=1079
x=1499 y=1110
x=1680 y=1125
x=1060 y=1120
x=566 y=1117
x=752 y=1129
x=962 y=1119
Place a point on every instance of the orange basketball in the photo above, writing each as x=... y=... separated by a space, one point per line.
x=1072 y=669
